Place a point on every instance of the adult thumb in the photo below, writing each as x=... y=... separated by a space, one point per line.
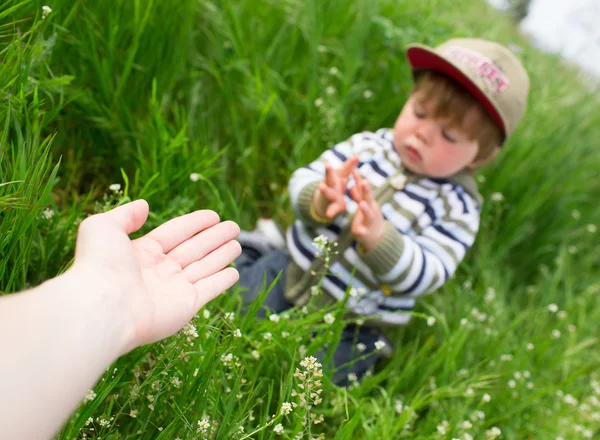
x=130 y=217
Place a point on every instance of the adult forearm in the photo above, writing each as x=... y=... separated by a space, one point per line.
x=56 y=340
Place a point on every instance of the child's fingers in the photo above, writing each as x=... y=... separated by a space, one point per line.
x=334 y=209
x=349 y=165
x=367 y=212
x=329 y=175
x=367 y=193
x=330 y=193
x=358 y=184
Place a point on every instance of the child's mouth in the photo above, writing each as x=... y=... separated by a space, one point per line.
x=413 y=154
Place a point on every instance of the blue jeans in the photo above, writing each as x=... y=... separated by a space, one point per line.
x=257 y=269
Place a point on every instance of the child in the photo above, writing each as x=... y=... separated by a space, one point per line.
x=401 y=203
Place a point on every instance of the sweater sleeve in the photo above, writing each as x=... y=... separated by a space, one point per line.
x=414 y=265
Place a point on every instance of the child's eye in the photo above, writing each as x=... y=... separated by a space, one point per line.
x=448 y=137
x=419 y=113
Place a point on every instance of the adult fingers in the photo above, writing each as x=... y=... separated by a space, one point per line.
x=202 y=244
x=180 y=229
x=213 y=262
x=210 y=287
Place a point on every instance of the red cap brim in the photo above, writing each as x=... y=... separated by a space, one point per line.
x=421 y=57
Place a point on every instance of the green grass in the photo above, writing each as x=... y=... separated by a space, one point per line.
x=146 y=93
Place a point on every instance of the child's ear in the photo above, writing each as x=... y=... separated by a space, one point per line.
x=484 y=160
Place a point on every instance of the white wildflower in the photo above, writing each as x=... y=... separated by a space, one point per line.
x=278 y=428
x=46 y=10
x=431 y=321
x=555 y=334
x=194 y=177
x=486 y=398
x=331 y=90
x=320 y=242
x=133 y=413
x=367 y=94
x=464 y=321
x=512 y=383
x=318 y=102
x=47 y=213
x=284 y=334
x=315 y=290
x=443 y=427
x=352 y=377
x=576 y=214
x=379 y=345
x=570 y=400
x=89 y=396
x=229 y=316
x=490 y=295
x=255 y=354
x=275 y=318
x=529 y=346
x=237 y=333
x=492 y=433
x=466 y=425
x=553 y=308
x=497 y=197
x=286 y=408
x=361 y=347
x=334 y=71
x=322 y=48
x=591 y=228
x=506 y=357
x=115 y=187
x=203 y=425
x=268 y=336
x=399 y=406
x=206 y=313
x=329 y=318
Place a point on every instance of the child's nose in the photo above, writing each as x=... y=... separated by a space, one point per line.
x=425 y=132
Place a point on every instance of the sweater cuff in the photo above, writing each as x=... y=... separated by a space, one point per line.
x=304 y=204
x=388 y=251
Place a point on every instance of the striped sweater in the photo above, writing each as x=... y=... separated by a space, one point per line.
x=429 y=225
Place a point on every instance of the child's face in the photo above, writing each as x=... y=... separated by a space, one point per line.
x=431 y=146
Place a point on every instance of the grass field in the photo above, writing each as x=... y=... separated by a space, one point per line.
x=239 y=93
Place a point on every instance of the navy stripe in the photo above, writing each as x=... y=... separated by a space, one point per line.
x=448 y=234
x=394 y=309
x=339 y=283
x=335 y=229
x=339 y=155
x=460 y=193
x=377 y=169
x=431 y=213
x=299 y=246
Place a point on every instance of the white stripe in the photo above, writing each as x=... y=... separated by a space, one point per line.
x=395 y=318
x=420 y=191
x=295 y=253
x=415 y=267
x=353 y=258
x=392 y=301
x=450 y=261
x=442 y=239
x=397 y=219
x=409 y=204
x=372 y=176
x=401 y=265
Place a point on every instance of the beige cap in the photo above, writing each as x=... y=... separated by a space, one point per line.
x=490 y=71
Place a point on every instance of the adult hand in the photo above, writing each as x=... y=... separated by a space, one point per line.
x=329 y=198
x=162 y=279
x=368 y=223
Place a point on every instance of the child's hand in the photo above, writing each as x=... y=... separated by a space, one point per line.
x=368 y=223
x=328 y=200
